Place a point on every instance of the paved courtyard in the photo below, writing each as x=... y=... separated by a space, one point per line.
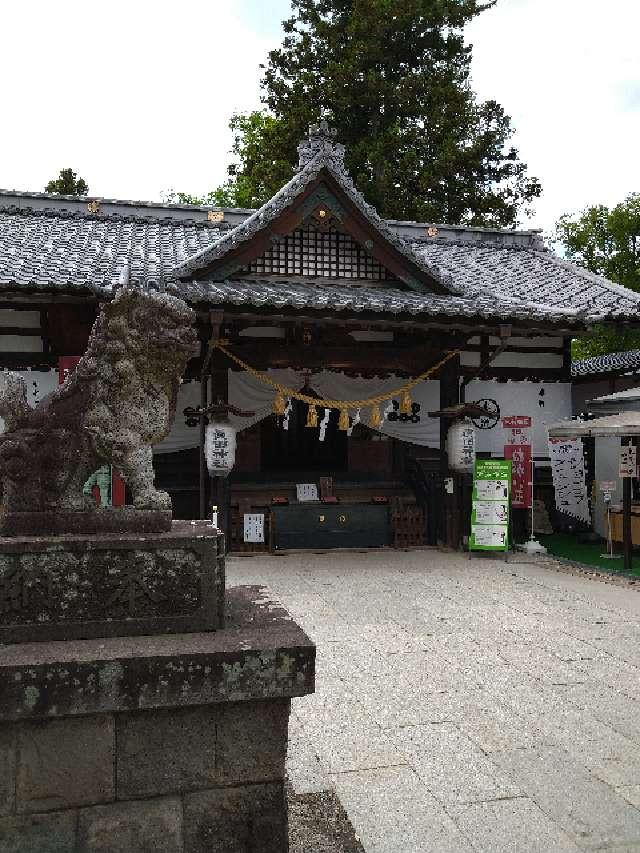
x=465 y=706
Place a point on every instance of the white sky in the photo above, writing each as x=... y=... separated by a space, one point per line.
x=136 y=95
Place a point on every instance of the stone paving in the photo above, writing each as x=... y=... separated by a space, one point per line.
x=465 y=706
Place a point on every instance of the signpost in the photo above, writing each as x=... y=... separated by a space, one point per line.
x=607 y=487
x=490 y=505
x=627 y=470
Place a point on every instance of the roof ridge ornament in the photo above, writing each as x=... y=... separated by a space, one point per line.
x=321 y=139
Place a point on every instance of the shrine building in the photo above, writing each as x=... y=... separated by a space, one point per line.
x=411 y=326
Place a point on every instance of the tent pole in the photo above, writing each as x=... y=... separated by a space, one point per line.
x=626 y=523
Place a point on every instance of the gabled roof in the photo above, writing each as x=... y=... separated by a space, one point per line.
x=321 y=178
x=59 y=243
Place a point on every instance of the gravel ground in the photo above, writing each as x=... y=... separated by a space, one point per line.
x=319 y=824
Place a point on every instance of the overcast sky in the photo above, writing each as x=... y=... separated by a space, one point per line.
x=136 y=95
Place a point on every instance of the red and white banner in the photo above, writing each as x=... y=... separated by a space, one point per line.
x=517 y=448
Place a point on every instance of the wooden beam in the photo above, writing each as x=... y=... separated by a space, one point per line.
x=27 y=360
x=533 y=374
x=373 y=321
x=359 y=357
x=21 y=301
x=22 y=331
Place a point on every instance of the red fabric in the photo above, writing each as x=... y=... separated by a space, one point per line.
x=66 y=365
x=520 y=455
x=117 y=489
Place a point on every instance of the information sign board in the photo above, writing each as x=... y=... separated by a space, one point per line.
x=627 y=461
x=490 y=505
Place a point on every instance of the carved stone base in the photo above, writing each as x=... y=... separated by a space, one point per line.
x=74 y=587
x=124 y=519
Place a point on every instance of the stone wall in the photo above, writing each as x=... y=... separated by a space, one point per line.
x=205 y=779
x=173 y=744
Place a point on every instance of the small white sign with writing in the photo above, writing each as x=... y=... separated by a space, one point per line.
x=307 y=492
x=627 y=461
x=491 y=535
x=492 y=490
x=254 y=527
x=607 y=485
x=491 y=512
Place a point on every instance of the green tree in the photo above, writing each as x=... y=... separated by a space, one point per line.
x=392 y=76
x=67 y=183
x=607 y=242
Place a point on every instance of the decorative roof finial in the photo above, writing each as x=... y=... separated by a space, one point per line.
x=321 y=138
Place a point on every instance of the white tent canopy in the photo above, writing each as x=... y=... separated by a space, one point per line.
x=622 y=424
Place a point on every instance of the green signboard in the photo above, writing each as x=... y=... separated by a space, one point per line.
x=490 y=505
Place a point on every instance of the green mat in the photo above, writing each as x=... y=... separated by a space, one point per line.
x=590 y=554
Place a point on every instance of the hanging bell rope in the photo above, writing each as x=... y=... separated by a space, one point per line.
x=343 y=420
x=342 y=405
x=312 y=417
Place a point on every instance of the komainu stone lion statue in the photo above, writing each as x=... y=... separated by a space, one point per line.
x=120 y=400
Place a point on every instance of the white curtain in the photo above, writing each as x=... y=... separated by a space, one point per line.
x=544 y=402
x=250 y=394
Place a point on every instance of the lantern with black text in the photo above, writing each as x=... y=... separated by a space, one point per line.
x=461 y=446
x=220 y=449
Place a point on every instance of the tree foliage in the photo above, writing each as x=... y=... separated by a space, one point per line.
x=392 y=76
x=67 y=183
x=607 y=242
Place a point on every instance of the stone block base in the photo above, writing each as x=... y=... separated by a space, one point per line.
x=126 y=519
x=171 y=744
x=105 y=585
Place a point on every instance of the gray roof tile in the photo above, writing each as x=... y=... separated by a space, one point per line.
x=613 y=362
x=58 y=249
x=318 y=295
x=528 y=274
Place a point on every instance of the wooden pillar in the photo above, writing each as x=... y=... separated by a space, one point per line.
x=217 y=370
x=220 y=492
x=204 y=383
x=449 y=522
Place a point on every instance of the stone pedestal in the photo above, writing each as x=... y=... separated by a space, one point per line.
x=174 y=743
x=78 y=586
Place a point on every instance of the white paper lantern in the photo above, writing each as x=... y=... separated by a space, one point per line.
x=220 y=448
x=461 y=446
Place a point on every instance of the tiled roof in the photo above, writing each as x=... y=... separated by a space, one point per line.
x=45 y=249
x=319 y=295
x=529 y=274
x=49 y=242
x=613 y=362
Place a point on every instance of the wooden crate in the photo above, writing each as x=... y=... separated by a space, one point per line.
x=408 y=526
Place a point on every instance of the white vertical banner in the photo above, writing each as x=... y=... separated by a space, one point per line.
x=567 y=468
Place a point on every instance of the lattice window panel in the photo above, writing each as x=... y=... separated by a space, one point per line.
x=310 y=252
